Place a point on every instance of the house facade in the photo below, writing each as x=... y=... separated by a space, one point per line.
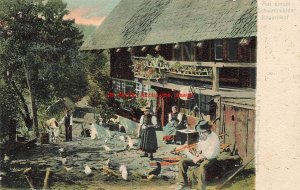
x=198 y=55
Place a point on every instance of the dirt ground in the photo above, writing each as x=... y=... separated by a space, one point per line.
x=68 y=160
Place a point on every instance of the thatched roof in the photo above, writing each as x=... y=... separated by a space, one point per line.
x=150 y=22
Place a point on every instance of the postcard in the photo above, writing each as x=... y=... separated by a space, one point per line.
x=149 y=94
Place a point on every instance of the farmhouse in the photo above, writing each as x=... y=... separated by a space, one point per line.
x=173 y=48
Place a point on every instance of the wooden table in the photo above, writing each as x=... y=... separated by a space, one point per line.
x=187 y=132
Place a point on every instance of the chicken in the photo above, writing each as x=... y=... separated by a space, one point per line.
x=122 y=138
x=107 y=149
x=108 y=163
x=156 y=171
x=130 y=142
x=107 y=171
x=87 y=170
x=61 y=150
x=68 y=169
x=124 y=172
x=63 y=160
x=6 y=158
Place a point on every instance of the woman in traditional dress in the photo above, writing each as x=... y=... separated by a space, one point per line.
x=146 y=132
x=175 y=123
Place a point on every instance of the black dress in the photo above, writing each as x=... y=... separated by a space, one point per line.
x=148 y=136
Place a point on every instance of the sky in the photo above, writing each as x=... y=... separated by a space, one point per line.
x=90 y=12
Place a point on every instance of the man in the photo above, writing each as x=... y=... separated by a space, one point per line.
x=68 y=122
x=53 y=129
x=192 y=169
x=147 y=133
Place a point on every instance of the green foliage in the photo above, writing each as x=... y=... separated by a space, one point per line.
x=41 y=50
x=9 y=108
x=98 y=69
x=140 y=102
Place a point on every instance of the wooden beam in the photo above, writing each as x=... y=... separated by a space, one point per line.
x=196 y=78
x=240 y=105
x=209 y=64
x=223 y=92
x=215 y=82
x=227 y=93
x=215 y=64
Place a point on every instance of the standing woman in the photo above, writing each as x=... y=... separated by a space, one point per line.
x=146 y=132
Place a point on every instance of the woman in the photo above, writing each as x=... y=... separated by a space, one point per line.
x=147 y=133
x=175 y=123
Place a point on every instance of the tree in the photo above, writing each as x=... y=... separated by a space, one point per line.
x=39 y=50
x=9 y=108
x=98 y=69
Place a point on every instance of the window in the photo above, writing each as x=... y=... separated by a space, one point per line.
x=184 y=52
x=233 y=49
x=218 y=50
x=188 y=51
x=177 y=52
x=138 y=88
x=204 y=103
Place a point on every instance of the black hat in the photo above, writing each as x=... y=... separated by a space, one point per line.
x=202 y=126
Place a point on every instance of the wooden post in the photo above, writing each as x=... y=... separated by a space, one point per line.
x=27 y=174
x=215 y=84
x=46 y=180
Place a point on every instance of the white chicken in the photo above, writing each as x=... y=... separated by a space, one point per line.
x=124 y=172
x=63 y=160
x=122 y=138
x=107 y=149
x=107 y=163
x=130 y=142
x=68 y=169
x=87 y=170
x=6 y=158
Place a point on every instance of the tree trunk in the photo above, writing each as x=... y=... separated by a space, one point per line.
x=26 y=116
x=35 y=116
x=33 y=103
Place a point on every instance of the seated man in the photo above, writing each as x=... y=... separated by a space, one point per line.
x=192 y=169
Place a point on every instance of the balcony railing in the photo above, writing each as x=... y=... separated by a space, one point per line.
x=155 y=68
